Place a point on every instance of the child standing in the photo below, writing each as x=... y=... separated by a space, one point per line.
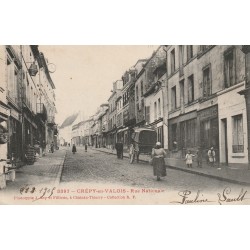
x=189 y=159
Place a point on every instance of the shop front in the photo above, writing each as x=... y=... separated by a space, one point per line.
x=15 y=136
x=209 y=129
x=183 y=134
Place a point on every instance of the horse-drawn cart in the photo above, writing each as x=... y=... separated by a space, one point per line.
x=143 y=140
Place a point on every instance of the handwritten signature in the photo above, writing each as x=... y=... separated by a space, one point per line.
x=41 y=193
x=226 y=196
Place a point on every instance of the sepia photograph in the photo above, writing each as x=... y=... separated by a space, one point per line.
x=109 y=138
x=125 y=124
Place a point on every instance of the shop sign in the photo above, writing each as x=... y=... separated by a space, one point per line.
x=208 y=113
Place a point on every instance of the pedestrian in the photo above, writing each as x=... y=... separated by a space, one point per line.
x=211 y=156
x=74 y=148
x=86 y=147
x=189 y=159
x=158 y=155
x=52 y=147
x=119 y=149
x=199 y=157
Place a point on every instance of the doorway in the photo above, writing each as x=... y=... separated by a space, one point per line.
x=224 y=144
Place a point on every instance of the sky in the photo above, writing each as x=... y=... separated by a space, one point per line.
x=84 y=74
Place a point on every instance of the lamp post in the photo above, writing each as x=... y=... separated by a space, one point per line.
x=246 y=92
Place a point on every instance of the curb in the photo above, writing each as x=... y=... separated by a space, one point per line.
x=191 y=171
x=59 y=175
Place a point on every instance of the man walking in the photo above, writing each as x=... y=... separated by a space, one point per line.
x=119 y=149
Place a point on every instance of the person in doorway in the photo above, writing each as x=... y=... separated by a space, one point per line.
x=74 y=149
x=52 y=147
x=119 y=149
x=158 y=162
x=211 y=156
x=189 y=159
x=199 y=157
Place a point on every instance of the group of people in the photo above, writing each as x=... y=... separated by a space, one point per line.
x=210 y=158
x=74 y=148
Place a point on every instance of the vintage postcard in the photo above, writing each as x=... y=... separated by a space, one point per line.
x=125 y=125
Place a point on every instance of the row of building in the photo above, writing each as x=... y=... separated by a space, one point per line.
x=27 y=102
x=188 y=93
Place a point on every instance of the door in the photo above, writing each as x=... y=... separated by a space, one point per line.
x=224 y=145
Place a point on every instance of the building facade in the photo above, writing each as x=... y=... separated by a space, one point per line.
x=205 y=107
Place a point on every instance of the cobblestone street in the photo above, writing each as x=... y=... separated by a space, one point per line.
x=103 y=168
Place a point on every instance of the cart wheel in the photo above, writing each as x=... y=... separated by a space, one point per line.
x=131 y=158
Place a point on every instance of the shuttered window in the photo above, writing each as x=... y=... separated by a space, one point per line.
x=207 y=84
x=173 y=98
x=229 y=68
x=191 y=88
x=238 y=137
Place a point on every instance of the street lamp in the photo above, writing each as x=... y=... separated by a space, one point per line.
x=246 y=92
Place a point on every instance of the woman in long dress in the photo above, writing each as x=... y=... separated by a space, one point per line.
x=158 y=155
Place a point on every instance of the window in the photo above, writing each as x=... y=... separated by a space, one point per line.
x=182 y=92
x=137 y=94
x=141 y=88
x=207 y=85
x=229 y=68
x=173 y=98
x=181 y=51
x=181 y=59
x=204 y=47
x=159 y=107
x=147 y=113
x=155 y=110
x=190 y=52
x=172 y=61
x=238 y=138
x=190 y=88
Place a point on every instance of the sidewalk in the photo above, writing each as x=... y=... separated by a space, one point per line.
x=224 y=173
x=46 y=171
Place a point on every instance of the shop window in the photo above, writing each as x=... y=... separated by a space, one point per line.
x=188 y=133
x=238 y=137
x=174 y=136
x=209 y=133
x=229 y=68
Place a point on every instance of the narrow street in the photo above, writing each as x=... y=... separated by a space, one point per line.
x=103 y=168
